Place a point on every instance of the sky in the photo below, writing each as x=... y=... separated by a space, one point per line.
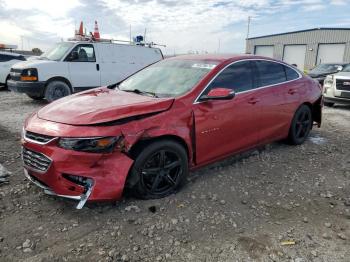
x=184 y=26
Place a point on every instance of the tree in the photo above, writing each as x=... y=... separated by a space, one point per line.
x=37 y=51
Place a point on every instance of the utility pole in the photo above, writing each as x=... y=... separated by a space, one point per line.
x=248 y=27
x=219 y=46
x=22 y=41
x=130 y=33
x=144 y=36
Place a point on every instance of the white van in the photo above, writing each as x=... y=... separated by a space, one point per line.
x=7 y=60
x=79 y=65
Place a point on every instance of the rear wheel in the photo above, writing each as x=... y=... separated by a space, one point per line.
x=5 y=87
x=56 y=90
x=161 y=169
x=330 y=104
x=301 y=125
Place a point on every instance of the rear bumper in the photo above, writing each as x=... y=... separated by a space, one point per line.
x=337 y=100
x=30 y=88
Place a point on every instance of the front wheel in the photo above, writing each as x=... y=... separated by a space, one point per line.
x=301 y=125
x=161 y=169
x=56 y=90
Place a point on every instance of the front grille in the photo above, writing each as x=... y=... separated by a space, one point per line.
x=35 y=161
x=41 y=139
x=15 y=74
x=343 y=84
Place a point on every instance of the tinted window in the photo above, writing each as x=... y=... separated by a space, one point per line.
x=270 y=73
x=238 y=77
x=291 y=73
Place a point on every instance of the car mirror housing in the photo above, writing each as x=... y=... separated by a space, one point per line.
x=339 y=68
x=219 y=94
x=73 y=56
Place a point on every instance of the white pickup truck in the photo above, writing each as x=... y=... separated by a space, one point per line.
x=79 y=65
x=336 y=88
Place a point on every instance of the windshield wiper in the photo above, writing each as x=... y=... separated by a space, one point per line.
x=138 y=91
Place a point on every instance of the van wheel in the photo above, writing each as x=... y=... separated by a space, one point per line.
x=301 y=125
x=161 y=169
x=35 y=97
x=56 y=90
x=5 y=87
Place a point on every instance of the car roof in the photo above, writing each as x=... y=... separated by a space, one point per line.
x=220 y=58
x=9 y=53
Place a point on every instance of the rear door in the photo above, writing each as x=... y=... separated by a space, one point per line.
x=277 y=99
x=227 y=126
x=83 y=67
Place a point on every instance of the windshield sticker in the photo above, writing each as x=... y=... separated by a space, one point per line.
x=204 y=66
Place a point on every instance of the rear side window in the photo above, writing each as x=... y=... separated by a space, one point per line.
x=291 y=73
x=238 y=77
x=270 y=73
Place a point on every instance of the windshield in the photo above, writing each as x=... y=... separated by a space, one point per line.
x=346 y=68
x=57 y=52
x=325 y=68
x=168 y=78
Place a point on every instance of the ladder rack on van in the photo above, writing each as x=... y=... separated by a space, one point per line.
x=104 y=40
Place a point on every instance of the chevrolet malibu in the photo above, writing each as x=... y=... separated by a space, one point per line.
x=147 y=132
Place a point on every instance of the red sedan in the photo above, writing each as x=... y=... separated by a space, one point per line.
x=148 y=131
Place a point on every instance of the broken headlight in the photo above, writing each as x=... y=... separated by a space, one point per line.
x=91 y=145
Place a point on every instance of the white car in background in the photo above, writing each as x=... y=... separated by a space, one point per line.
x=336 y=88
x=7 y=60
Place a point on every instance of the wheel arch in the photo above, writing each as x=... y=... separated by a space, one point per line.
x=59 y=78
x=143 y=142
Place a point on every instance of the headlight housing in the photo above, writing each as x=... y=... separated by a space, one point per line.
x=91 y=144
x=29 y=74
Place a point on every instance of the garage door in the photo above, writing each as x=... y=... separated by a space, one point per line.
x=264 y=50
x=330 y=53
x=295 y=54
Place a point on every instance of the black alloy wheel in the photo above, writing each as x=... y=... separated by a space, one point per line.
x=161 y=168
x=301 y=125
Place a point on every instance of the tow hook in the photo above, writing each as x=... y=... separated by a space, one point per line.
x=84 y=197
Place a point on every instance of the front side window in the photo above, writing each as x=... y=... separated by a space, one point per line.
x=82 y=53
x=238 y=77
x=270 y=73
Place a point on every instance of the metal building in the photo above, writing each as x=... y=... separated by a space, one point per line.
x=306 y=48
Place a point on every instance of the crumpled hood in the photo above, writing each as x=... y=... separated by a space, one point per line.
x=101 y=105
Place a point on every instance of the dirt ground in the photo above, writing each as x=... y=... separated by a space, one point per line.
x=241 y=209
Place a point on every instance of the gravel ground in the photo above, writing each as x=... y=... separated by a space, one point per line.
x=278 y=203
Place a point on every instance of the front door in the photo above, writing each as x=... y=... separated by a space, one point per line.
x=83 y=69
x=227 y=126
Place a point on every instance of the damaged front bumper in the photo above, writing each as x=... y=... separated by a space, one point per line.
x=82 y=198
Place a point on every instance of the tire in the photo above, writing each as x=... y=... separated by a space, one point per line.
x=35 y=97
x=56 y=90
x=157 y=178
x=301 y=125
x=329 y=104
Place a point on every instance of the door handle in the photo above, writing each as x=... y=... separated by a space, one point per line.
x=253 y=101
x=292 y=91
x=97 y=67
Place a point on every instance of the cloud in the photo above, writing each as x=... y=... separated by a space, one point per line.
x=187 y=25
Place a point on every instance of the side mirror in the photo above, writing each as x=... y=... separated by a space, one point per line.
x=219 y=94
x=339 y=68
x=73 y=56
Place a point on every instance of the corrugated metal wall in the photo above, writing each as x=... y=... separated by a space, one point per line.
x=309 y=38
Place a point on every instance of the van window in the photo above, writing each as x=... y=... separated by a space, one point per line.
x=82 y=53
